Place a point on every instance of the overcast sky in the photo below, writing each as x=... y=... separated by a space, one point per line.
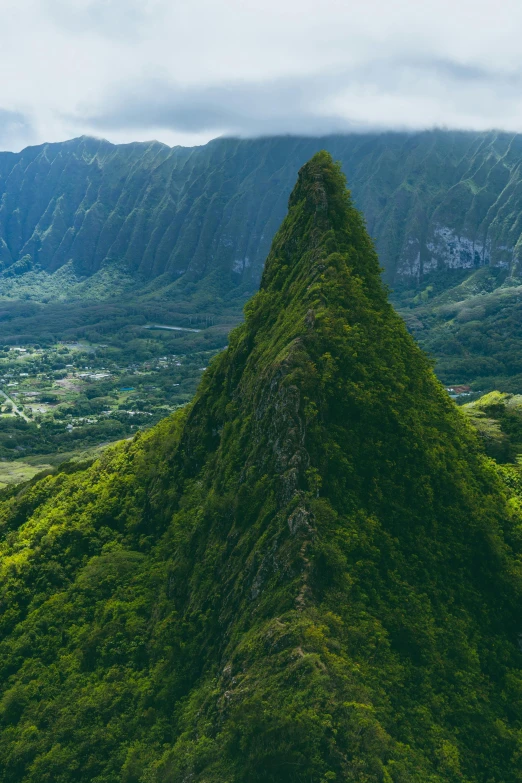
x=185 y=71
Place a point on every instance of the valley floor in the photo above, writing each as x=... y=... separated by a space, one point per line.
x=77 y=374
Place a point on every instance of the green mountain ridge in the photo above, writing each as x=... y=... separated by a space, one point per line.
x=312 y=573
x=97 y=239
x=432 y=199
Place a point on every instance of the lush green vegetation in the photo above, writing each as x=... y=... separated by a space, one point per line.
x=123 y=328
x=201 y=219
x=473 y=328
x=116 y=237
x=17 y=471
x=497 y=417
x=311 y=573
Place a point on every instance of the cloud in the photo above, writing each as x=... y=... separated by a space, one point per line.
x=127 y=19
x=317 y=104
x=243 y=108
x=15 y=128
x=186 y=70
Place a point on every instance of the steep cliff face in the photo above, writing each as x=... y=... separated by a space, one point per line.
x=312 y=574
x=431 y=200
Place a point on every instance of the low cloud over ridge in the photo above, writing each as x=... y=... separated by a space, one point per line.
x=184 y=72
x=312 y=105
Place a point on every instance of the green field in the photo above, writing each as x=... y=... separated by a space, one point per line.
x=17 y=471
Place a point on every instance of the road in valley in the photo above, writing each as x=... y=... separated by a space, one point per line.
x=171 y=328
x=16 y=409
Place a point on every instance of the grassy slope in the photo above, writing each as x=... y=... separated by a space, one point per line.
x=311 y=574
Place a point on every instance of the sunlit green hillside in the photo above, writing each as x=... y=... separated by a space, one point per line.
x=311 y=573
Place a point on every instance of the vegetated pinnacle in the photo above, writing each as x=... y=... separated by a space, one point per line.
x=308 y=574
x=321 y=221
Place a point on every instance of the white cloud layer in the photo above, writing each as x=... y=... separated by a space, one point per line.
x=184 y=71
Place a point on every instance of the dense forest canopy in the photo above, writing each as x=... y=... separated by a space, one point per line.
x=311 y=573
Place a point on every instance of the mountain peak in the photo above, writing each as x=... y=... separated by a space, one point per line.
x=347 y=472
x=319 y=182
x=321 y=222
x=302 y=576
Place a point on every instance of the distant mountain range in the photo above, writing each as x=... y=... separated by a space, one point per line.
x=432 y=200
x=132 y=233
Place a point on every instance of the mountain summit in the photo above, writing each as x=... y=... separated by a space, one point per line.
x=310 y=574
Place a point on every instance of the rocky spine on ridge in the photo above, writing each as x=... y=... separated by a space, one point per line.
x=311 y=574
